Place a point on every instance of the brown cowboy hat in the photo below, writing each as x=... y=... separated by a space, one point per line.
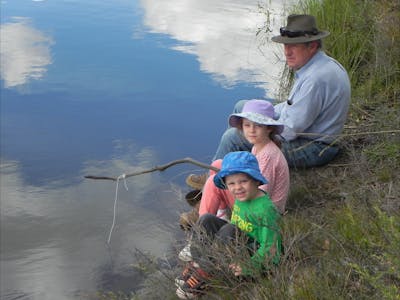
x=299 y=29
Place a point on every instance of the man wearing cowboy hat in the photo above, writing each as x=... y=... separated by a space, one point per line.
x=316 y=110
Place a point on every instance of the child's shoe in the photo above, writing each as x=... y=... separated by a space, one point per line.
x=188 y=219
x=195 y=285
x=193 y=197
x=185 y=254
x=197 y=181
x=187 y=272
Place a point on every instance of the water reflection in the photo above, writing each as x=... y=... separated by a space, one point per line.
x=112 y=104
x=25 y=52
x=222 y=35
x=54 y=238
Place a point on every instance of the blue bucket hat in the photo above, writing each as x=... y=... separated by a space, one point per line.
x=239 y=162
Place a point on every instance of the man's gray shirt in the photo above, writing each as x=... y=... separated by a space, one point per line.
x=318 y=102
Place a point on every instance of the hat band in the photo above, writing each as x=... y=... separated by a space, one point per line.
x=289 y=33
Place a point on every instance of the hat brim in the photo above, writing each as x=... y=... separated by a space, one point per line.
x=235 y=120
x=299 y=39
x=219 y=177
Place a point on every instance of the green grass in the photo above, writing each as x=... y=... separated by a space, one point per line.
x=353 y=203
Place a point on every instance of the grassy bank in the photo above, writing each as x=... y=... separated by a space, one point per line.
x=343 y=225
x=342 y=229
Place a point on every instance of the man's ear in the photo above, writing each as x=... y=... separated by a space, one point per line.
x=314 y=45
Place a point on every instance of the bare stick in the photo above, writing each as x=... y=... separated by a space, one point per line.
x=348 y=134
x=197 y=163
x=157 y=168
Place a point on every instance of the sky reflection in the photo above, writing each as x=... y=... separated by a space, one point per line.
x=105 y=88
x=25 y=52
x=61 y=243
x=222 y=35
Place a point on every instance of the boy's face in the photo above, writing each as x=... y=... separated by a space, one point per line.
x=242 y=186
x=255 y=133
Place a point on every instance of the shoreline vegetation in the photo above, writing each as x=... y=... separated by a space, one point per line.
x=342 y=227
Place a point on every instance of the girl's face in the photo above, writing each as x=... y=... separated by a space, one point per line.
x=256 y=133
x=242 y=186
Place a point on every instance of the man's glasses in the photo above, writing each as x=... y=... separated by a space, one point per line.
x=289 y=33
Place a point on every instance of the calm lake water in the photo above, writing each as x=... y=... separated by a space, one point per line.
x=106 y=88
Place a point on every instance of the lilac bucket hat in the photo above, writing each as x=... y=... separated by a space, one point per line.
x=257 y=111
x=239 y=162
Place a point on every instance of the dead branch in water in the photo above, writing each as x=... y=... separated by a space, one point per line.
x=157 y=168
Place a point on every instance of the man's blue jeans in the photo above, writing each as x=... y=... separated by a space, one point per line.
x=299 y=153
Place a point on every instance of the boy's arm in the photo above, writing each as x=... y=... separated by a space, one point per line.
x=269 y=238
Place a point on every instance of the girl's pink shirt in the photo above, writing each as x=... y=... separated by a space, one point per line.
x=273 y=166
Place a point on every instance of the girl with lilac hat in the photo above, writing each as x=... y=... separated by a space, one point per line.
x=259 y=126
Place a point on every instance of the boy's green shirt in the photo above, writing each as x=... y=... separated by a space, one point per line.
x=259 y=218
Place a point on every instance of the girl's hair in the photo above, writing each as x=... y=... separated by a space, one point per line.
x=275 y=137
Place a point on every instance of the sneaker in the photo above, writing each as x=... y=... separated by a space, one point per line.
x=194 y=285
x=179 y=282
x=196 y=181
x=193 y=197
x=185 y=294
x=187 y=272
x=186 y=254
x=188 y=219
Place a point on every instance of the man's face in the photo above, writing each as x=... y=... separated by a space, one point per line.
x=297 y=55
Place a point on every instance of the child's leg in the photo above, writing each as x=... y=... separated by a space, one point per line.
x=227 y=233
x=214 y=200
x=211 y=224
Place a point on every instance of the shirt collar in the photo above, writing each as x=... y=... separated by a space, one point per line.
x=304 y=68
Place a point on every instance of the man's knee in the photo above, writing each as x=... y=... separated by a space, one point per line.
x=230 y=135
x=302 y=153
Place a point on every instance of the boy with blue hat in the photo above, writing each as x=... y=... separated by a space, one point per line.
x=254 y=217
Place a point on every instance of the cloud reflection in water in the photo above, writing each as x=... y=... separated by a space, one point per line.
x=25 y=52
x=225 y=43
x=54 y=237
